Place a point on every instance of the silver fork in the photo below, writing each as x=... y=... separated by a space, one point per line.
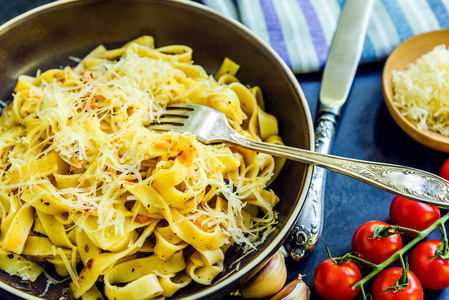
x=211 y=126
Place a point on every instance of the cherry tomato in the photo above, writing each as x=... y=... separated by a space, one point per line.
x=375 y=250
x=334 y=281
x=444 y=171
x=412 y=214
x=388 y=278
x=433 y=273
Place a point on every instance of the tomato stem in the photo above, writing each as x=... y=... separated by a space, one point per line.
x=443 y=250
x=408 y=229
x=361 y=260
x=404 y=278
x=421 y=235
x=329 y=253
x=385 y=231
x=362 y=290
x=444 y=234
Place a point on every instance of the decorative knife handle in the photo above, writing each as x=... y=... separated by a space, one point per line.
x=306 y=233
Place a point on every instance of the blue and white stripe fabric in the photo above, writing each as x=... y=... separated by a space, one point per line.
x=300 y=31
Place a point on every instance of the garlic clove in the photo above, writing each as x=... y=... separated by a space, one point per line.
x=295 y=290
x=268 y=281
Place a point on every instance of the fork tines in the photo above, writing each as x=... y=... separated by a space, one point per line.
x=173 y=117
x=182 y=106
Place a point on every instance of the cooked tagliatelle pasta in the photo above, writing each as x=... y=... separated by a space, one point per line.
x=89 y=189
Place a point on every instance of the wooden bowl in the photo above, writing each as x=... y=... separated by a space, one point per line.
x=406 y=53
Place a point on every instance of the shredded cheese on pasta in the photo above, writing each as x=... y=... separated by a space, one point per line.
x=421 y=92
x=84 y=181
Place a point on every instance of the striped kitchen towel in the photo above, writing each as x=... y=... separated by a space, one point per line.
x=300 y=31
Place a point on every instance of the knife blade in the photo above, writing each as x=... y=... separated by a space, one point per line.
x=338 y=75
x=344 y=54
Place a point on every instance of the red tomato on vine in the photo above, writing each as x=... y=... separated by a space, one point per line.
x=428 y=264
x=413 y=214
x=334 y=281
x=382 y=286
x=376 y=245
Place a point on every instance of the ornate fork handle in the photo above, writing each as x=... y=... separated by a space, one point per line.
x=400 y=180
x=306 y=233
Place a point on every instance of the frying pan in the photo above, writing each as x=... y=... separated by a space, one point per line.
x=48 y=36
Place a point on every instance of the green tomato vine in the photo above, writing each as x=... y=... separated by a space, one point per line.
x=377 y=268
x=400 y=253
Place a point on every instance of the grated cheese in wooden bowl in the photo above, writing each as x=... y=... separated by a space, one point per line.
x=421 y=91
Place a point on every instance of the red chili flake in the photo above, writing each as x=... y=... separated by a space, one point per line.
x=89 y=263
x=142 y=219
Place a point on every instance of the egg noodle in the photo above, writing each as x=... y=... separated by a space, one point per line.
x=88 y=188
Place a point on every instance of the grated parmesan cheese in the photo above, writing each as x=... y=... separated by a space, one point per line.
x=421 y=92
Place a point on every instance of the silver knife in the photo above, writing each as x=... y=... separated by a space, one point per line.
x=338 y=75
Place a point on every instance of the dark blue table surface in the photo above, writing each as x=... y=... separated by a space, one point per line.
x=366 y=131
